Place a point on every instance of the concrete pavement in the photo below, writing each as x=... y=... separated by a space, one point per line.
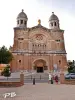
x=41 y=91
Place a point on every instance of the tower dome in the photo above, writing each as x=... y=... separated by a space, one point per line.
x=53 y=17
x=22 y=15
x=54 y=21
x=22 y=19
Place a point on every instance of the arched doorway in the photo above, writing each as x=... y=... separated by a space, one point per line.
x=40 y=65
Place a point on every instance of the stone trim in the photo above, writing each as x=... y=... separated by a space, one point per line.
x=38 y=52
x=38 y=26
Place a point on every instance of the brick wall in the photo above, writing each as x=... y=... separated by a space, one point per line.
x=70 y=81
x=66 y=81
x=11 y=84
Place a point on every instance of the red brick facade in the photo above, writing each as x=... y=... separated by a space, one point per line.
x=38 y=44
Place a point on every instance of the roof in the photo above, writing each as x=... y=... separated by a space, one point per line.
x=53 y=17
x=22 y=15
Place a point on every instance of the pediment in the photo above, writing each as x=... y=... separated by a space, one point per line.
x=40 y=30
x=40 y=27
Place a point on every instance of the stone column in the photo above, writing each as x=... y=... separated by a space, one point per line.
x=62 y=78
x=51 y=62
x=22 y=78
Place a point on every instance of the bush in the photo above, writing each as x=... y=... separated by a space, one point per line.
x=71 y=67
x=6 y=72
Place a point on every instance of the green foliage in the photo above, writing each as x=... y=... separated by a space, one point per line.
x=5 y=55
x=6 y=71
x=71 y=67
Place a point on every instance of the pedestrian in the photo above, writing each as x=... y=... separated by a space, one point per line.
x=33 y=81
x=49 y=78
x=56 y=79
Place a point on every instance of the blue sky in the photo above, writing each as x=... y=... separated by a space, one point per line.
x=35 y=9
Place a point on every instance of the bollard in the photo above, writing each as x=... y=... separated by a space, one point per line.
x=33 y=81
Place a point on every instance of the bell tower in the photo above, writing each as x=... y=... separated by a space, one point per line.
x=22 y=19
x=54 y=22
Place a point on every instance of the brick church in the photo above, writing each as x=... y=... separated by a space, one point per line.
x=38 y=48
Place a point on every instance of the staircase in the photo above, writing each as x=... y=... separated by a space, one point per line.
x=39 y=77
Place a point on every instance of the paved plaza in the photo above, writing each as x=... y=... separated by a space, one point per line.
x=40 y=91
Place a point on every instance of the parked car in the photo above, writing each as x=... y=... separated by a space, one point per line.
x=70 y=76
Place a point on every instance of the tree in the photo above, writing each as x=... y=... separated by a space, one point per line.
x=6 y=72
x=71 y=67
x=5 y=55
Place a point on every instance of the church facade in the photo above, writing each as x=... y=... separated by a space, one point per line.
x=38 y=48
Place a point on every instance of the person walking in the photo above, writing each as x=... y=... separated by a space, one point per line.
x=56 y=79
x=33 y=81
x=49 y=78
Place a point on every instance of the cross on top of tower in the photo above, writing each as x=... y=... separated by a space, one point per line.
x=22 y=10
x=52 y=12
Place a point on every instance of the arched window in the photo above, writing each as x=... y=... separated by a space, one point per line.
x=58 y=40
x=33 y=45
x=21 y=21
x=45 y=45
x=19 y=61
x=55 y=24
x=59 y=61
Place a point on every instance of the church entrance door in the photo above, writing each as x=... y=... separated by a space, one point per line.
x=40 y=69
x=40 y=65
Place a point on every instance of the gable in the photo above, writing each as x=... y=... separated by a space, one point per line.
x=40 y=30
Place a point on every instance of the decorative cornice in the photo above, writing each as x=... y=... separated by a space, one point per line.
x=39 y=52
x=21 y=28
x=38 y=26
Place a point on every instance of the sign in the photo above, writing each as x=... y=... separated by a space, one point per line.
x=55 y=67
x=11 y=94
